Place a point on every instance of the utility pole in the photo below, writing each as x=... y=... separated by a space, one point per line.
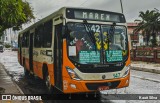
x=121 y=6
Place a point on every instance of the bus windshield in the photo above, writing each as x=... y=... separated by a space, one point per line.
x=108 y=47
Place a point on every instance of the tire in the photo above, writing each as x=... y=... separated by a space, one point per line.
x=92 y=96
x=26 y=72
x=48 y=84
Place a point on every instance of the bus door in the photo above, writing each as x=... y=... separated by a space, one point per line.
x=31 y=52
x=58 y=52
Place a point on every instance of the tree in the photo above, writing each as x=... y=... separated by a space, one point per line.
x=14 y=13
x=150 y=25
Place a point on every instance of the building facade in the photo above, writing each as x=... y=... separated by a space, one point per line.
x=137 y=39
x=9 y=37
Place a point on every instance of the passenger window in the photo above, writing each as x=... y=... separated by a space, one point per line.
x=47 y=36
x=38 y=37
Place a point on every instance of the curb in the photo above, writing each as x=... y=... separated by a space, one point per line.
x=150 y=79
x=146 y=70
x=12 y=80
x=21 y=92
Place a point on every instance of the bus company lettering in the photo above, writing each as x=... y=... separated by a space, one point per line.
x=43 y=52
x=96 y=16
x=35 y=53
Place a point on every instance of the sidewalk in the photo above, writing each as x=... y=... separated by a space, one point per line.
x=7 y=86
x=145 y=66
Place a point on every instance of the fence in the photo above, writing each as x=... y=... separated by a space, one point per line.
x=146 y=54
x=10 y=49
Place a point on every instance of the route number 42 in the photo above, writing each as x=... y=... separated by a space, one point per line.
x=116 y=75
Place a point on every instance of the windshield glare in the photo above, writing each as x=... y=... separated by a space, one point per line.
x=83 y=50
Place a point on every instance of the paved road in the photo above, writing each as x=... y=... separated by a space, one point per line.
x=141 y=82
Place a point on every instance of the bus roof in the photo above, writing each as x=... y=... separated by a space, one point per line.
x=49 y=17
x=60 y=12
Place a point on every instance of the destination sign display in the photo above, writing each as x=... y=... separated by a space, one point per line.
x=97 y=15
x=89 y=57
x=113 y=55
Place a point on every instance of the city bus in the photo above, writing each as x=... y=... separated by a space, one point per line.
x=77 y=50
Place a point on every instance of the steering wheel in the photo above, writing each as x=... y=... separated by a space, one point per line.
x=115 y=47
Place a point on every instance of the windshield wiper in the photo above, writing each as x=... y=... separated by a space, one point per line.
x=111 y=33
x=90 y=33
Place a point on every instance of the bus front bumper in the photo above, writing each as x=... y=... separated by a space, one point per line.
x=79 y=86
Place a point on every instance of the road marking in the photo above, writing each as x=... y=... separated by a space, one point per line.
x=150 y=79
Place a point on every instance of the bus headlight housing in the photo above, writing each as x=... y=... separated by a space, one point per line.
x=127 y=71
x=72 y=74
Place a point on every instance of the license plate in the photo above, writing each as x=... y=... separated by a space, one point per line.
x=103 y=88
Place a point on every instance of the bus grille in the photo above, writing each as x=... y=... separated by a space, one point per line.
x=95 y=86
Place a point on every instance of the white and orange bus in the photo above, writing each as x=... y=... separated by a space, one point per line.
x=77 y=50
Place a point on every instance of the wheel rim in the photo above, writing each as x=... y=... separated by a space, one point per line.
x=48 y=82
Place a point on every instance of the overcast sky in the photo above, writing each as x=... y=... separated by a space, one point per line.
x=131 y=8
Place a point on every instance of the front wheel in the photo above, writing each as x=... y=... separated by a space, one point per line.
x=48 y=84
x=26 y=72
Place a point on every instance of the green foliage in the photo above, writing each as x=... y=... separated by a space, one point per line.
x=13 y=13
x=7 y=45
x=1 y=33
x=153 y=42
x=150 y=24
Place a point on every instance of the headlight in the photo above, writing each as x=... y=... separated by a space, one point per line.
x=127 y=71
x=72 y=74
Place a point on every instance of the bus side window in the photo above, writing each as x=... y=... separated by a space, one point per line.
x=27 y=39
x=47 y=36
x=38 y=39
x=24 y=40
x=19 y=38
